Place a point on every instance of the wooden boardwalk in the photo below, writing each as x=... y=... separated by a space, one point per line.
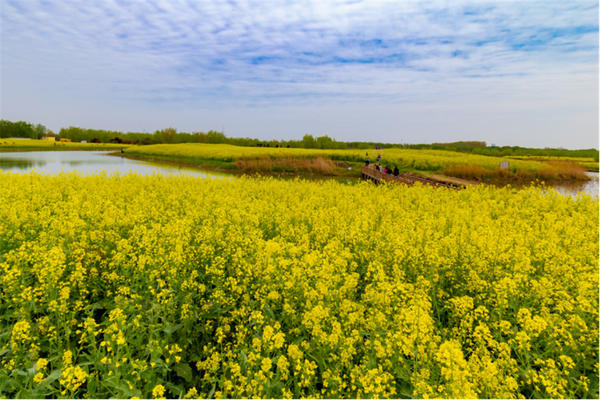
x=370 y=173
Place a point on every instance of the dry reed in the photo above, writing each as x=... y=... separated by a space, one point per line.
x=317 y=165
x=557 y=171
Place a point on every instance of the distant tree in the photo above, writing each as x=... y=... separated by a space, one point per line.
x=324 y=142
x=215 y=137
x=16 y=129
x=39 y=131
x=166 y=135
x=75 y=133
x=308 y=142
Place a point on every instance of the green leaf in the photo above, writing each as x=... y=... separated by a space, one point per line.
x=212 y=391
x=118 y=386
x=91 y=385
x=184 y=371
x=177 y=391
x=270 y=312
x=24 y=394
x=170 y=329
x=54 y=375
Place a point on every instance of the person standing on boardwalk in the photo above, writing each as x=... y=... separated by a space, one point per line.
x=396 y=171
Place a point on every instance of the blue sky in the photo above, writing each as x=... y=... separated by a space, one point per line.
x=507 y=72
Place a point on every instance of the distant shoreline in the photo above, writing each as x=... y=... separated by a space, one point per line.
x=336 y=163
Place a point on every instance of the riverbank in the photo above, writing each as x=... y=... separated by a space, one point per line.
x=588 y=163
x=554 y=172
x=103 y=163
x=337 y=164
x=347 y=163
x=305 y=168
x=22 y=145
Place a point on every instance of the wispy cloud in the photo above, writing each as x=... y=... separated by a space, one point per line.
x=272 y=53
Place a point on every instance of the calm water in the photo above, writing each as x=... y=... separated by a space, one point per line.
x=87 y=163
x=590 y=187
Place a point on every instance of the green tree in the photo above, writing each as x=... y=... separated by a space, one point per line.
x=16 y=129
x=215 y=137
x=166 y=135
x=308 y=142
x=324 y=142
x=39 y=131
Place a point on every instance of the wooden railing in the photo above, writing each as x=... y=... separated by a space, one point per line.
x=372 y=174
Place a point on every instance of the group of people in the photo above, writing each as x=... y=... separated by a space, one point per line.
x=386 y=169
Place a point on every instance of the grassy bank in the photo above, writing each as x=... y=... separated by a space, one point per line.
x=254 y=160
x=9 y=145
x=282 y=161
x=292 y=167
x=586 y=162
x=556 y=171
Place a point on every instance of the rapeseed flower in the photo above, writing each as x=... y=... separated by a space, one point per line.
x=294 y=289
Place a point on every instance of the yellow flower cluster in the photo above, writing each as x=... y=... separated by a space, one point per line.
x=132 y=286
x=72 y=376
x=158 y=392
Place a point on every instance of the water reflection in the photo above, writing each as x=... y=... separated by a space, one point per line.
x=18 y=164
x=590 y=187
x=88 y=163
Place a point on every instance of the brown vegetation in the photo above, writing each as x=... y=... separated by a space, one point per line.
x=557 y=171
x=319 y=165
x=565 y=171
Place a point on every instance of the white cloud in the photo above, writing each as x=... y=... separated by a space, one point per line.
x=253 y=57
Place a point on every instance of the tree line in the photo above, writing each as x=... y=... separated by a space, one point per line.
x=22 y=129
x=482 y=148
x=170 y=135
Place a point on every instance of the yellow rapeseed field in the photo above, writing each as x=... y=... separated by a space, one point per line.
x=122 y=286
x=11 y=144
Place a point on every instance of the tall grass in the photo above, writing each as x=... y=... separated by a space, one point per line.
x=554 y=172
x=589 y=163
x=319 y=165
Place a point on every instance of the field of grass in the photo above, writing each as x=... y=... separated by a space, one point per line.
x=128 y=286
x=593 y=166
x=42 y=145
x=586 y=162
x=264 y=159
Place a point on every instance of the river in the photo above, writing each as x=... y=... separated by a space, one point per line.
x=590 y=187
x=88 y=163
